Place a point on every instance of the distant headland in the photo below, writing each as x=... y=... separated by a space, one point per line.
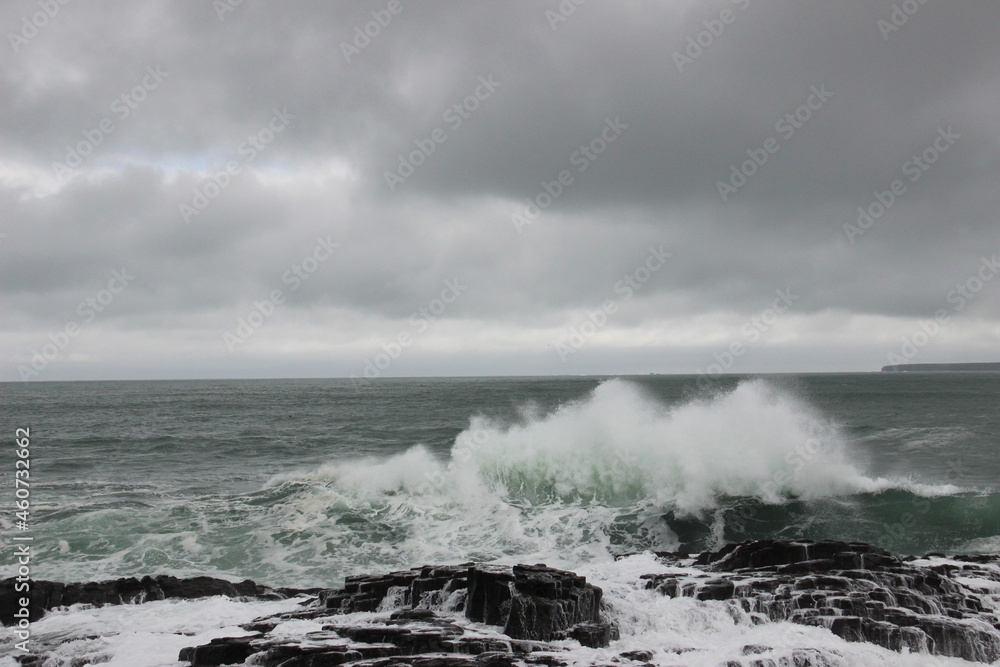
x=924 y=368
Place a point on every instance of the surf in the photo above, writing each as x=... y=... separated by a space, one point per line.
x=614 y=472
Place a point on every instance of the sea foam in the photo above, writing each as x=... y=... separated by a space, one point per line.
x=585 y=480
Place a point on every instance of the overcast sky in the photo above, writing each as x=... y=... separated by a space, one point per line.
x=314 y=189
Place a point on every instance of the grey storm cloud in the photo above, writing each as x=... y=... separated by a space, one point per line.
x=535 y=150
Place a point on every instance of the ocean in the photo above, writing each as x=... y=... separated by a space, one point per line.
x=303 y=482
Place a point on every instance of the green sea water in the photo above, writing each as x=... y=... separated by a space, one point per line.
x=301 y=482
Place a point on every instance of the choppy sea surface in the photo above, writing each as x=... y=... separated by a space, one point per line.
x=302 y=482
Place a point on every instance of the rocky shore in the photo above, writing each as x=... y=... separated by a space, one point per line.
x=475 y=615
x=859 y=592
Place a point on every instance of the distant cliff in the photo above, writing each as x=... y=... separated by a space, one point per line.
x=924 y=368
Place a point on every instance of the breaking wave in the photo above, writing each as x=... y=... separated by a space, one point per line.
x=614 y=472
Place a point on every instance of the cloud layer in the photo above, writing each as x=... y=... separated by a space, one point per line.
x=313 y=174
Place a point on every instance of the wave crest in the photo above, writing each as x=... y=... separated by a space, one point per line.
x=620 y=446
x=615 y=471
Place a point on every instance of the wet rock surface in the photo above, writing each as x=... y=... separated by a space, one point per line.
x=437 y=622
x=529 y=601
x=46 y=595
x=497 y=616
x=862 y=593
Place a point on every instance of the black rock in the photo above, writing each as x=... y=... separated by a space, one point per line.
x=529 y=601
x=716 y=589
x=490 y=592
x=534 y=604
x=45 y=595
x=638 y=656
x=220 y=652
x=858 y=591
x=547 y=603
